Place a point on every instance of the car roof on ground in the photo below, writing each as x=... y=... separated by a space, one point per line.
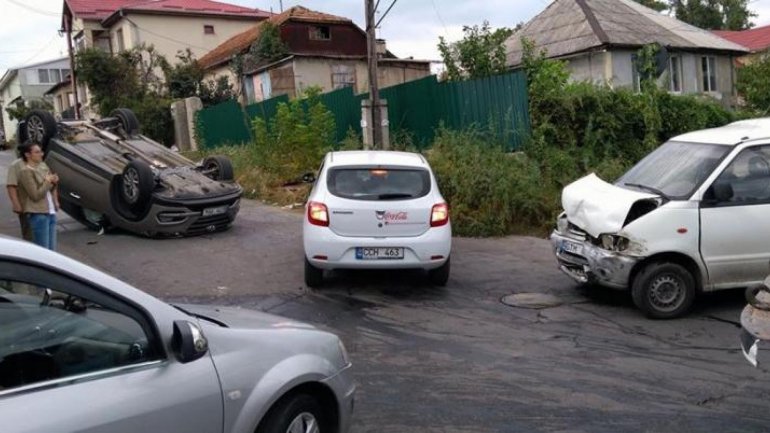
x=376 y=157
x=730 y=134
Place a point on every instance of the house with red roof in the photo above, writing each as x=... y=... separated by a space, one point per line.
x=757 y=40
x=323 y=50
x=169 y=25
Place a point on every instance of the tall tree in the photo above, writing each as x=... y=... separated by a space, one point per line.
x=658 y=5
x=714 y=14
x=480 y=53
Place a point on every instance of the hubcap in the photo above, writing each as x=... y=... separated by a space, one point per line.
x=667 y=293
x=304 y=423
x=131 y=185
x=213 y=168
x=35 y=129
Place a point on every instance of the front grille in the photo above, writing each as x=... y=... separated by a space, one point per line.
x=209 y=224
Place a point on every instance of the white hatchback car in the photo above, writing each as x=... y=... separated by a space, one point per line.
x=376 y=210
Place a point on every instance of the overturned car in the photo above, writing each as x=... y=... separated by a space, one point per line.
x=112 y=176
x=692 y=216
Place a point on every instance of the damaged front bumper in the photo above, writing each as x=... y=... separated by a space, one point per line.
x=588 y=263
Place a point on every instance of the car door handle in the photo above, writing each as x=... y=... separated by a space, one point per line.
x=75 y=196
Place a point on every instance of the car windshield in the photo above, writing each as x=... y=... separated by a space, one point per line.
x=378 y=183
x=675 y=169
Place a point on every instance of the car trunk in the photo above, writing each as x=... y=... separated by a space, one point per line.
x=379 y=202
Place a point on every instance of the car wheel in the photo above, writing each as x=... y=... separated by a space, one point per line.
x=300 y=413
x=136 y=184
x=219 y=168
x=663 y=290
x=440 y=275
x=40 y=127
x=21 y=132
x=314 y=277
x=128 y=121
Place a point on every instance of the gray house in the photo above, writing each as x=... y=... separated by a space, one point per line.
x=23 y=84
x=600 y=38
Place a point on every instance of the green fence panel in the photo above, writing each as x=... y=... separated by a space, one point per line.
x=222 y=124
x=498 y=104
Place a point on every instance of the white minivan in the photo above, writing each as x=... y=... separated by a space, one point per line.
x=692 y=216
x=376 y=210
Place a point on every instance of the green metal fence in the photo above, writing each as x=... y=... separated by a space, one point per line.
x=498 y=103
x=222 y=124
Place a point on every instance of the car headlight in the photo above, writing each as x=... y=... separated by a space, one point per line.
x=614 y=242
x=344 y=352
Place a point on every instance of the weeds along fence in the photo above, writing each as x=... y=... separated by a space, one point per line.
x=498 y=104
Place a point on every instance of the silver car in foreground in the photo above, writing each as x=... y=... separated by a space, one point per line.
x=82 y=351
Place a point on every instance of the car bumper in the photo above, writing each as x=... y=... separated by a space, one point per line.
x=593 y=264
x=345 y=390
x=427 y=251
x=187 y=218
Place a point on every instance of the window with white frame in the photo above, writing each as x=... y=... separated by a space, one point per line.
x=709 y=69
x=675 y=74
x=50 y=76
x=343 y=76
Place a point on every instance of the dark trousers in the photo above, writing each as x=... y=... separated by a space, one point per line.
x=26 y=230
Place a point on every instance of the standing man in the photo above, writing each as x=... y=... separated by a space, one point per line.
x=17 y=195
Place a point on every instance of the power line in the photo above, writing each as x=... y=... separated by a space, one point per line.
x=441 y=20
x=186 y=44
x=386 y=13
x=33 y=9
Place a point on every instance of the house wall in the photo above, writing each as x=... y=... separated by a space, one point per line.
x=7 y=94
x=170 y=34
x=595 y=67
x=345 y=39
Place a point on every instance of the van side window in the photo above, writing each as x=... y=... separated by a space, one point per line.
x=748 y=175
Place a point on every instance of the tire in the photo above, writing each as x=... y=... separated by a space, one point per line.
x=440 y=275
x=663 y=290
x=219 y=168
x=296 y=408
x=136 y=185
x=128 y=121
x=40 y=128
x=314 y=277
x=21 y=132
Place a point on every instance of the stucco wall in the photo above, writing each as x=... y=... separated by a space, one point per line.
x=170 y=34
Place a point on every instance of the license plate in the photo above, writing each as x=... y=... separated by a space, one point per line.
x=214 y=211
x=370 y=253
x=571 y=247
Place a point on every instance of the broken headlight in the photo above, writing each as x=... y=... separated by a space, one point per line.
x=613 y=242
x=562 y=224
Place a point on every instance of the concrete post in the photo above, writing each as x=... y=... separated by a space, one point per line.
x=181 y=132
x=192 y=106
x=366 y=127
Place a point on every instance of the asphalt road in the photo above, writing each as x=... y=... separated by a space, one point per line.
x=457 y=359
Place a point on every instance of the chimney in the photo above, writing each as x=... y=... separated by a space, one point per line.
x=381 y=48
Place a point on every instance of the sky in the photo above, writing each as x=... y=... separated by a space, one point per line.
x=28 y=28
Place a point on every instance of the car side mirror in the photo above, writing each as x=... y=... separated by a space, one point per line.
x=308 y=178
x=188 y=341
x=720 y=192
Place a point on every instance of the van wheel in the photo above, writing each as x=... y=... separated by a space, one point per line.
x=297 y=413
x=664 y=290
x=314 y=277
x=440 y=275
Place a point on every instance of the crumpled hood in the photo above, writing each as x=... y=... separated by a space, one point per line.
x=242 y=318
x=598 y=207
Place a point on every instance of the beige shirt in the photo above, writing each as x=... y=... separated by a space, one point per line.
x=36 y=189
x=14 y=171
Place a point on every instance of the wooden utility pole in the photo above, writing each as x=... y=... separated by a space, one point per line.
x=374 y=92
x=73 y=77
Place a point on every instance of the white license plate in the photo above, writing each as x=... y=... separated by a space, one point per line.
x=371 y=253
x=215 y=211
x=571 y=247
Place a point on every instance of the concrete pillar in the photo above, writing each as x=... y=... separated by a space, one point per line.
x=366 y=130
x=181 y=132
x=192 y=106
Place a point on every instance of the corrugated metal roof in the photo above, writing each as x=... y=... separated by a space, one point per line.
x=101 y=9
x=242 y=41
x=571 y=26
x=756 y=40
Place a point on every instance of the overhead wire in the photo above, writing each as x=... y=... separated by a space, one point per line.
x=34 y=9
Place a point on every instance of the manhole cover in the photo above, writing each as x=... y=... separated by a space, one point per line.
x=537 y=301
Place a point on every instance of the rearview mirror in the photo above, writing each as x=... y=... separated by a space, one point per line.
x=720 y=192
x=188 y=341
x=308 y=178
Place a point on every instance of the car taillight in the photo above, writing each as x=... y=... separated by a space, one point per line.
x=318 y=214
x=439 y=215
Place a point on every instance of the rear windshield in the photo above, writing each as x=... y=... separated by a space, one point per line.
x=378 y=183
